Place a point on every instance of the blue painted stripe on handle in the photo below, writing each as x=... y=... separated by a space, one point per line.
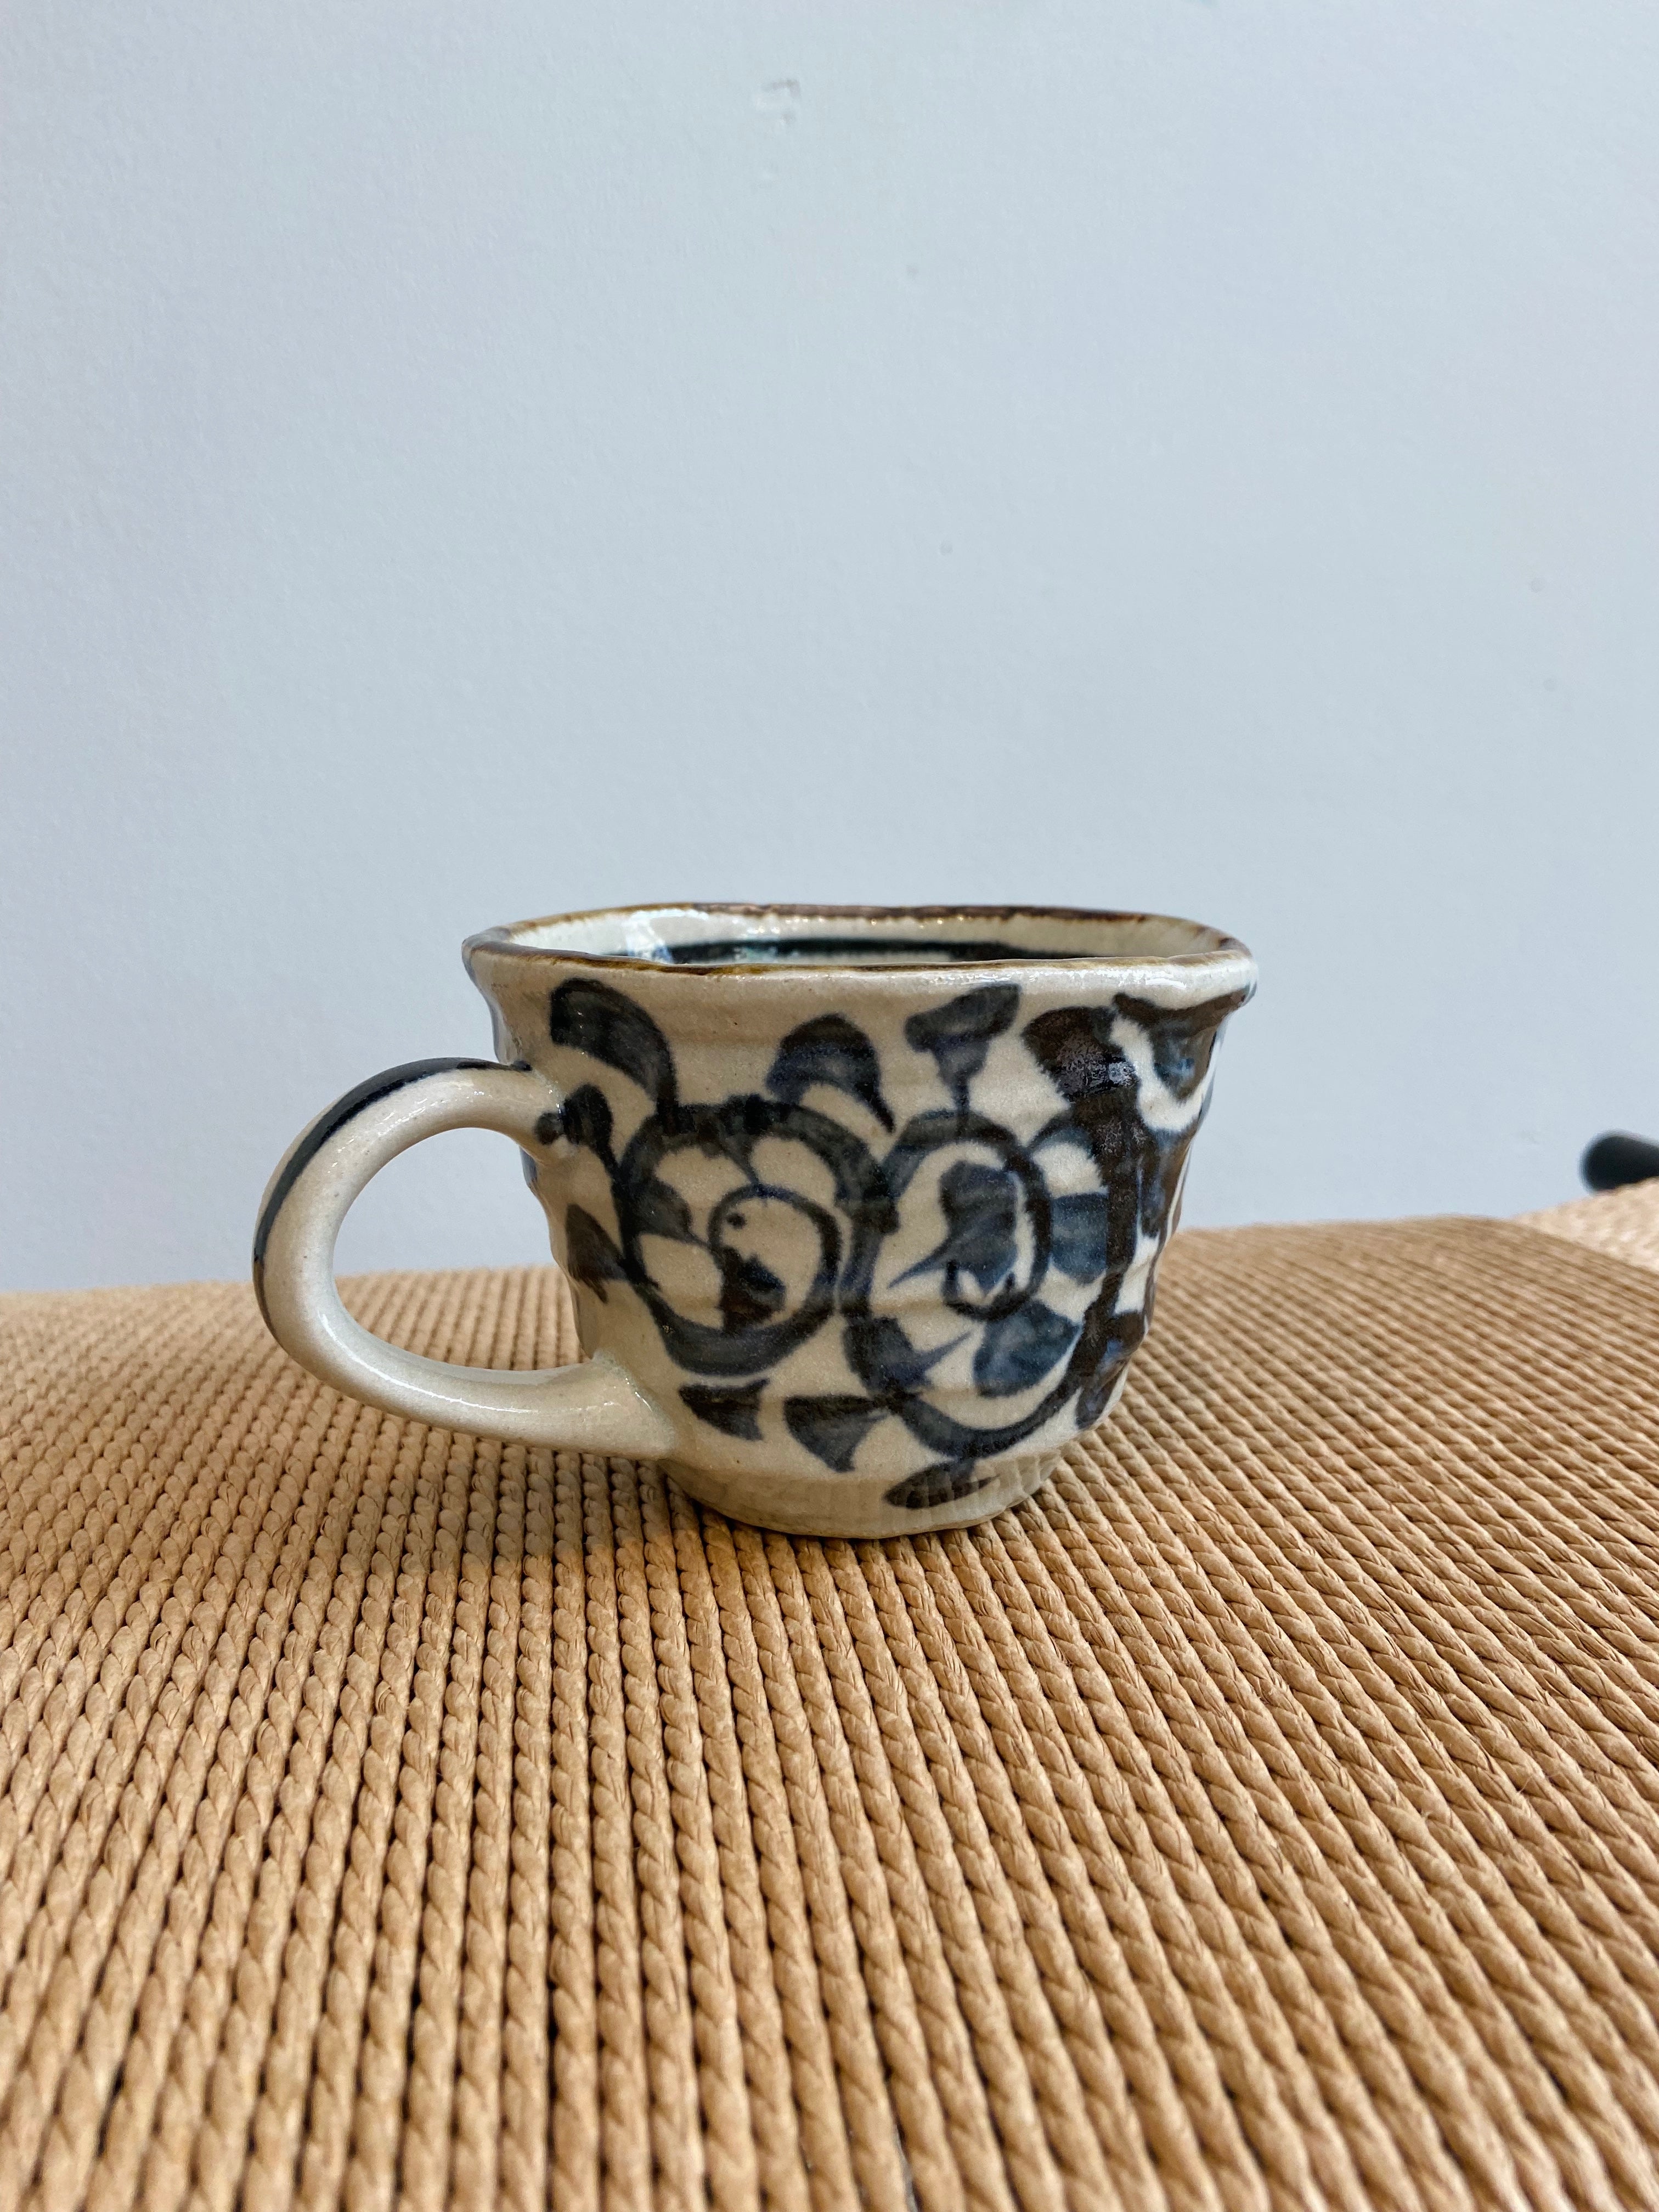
x=343 y=1109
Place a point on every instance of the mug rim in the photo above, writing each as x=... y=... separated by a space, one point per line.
x=1225 y=955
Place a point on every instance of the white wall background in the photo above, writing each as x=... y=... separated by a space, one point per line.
x=460 y=462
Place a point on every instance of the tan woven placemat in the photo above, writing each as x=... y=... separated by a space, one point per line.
x=1624 y=1223
x=1266 y=1815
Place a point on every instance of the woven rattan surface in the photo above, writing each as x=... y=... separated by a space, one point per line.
x=1264 y=1816
x=1624 y=1223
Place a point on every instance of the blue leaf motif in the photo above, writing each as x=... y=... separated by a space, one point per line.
x=1073 y=1047
x=937 y=1485
x=750 y=1292
x=1082 y=1228
x=958 y=1033
x=1182 y=1038
x=832 y=1050
x=1019 y=1350
x=590 y=1257
x=659 y=1211
x=736 y=1413
x=883 y=1356
x=1112 y=1339
x=592 y=1018
x=980 y=1206
x=832 y=1428
x=587 y=1121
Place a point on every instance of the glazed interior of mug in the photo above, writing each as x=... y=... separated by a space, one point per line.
x=863 y=937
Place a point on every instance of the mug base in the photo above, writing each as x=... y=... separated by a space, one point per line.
x=855 y=1505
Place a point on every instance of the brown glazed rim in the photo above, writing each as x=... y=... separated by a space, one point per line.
x=500 y=942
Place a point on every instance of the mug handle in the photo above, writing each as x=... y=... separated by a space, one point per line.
x=594 y=1406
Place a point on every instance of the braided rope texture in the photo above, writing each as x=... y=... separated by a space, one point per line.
x=1266 y=1815
x=1624 y=1223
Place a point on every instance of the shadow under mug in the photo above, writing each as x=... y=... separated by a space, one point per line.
x=861 y=1207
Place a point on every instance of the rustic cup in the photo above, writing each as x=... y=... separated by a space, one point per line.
x=861 y=1207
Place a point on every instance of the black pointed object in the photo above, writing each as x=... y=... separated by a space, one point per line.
x=1018 y=1352
x=1619 y=1158
x=735 y=1412
x=1081 y=1234
x=884 y=1359
x=1073 y=1047
x=832 y=1428
x=751 y=1294
x=593 y=1018
x=587 y=1121
x=958 y=1033
x=657 y=1210
x=833 y=1050
x=1108 y=1342
x=980 y=1206
x=1182 y=1038
x=590 y=1257
x=940 y=1484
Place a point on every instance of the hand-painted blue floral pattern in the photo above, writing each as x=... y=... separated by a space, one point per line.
x=1031 y=1242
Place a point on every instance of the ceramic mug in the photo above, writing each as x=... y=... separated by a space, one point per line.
x=860 y=1206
